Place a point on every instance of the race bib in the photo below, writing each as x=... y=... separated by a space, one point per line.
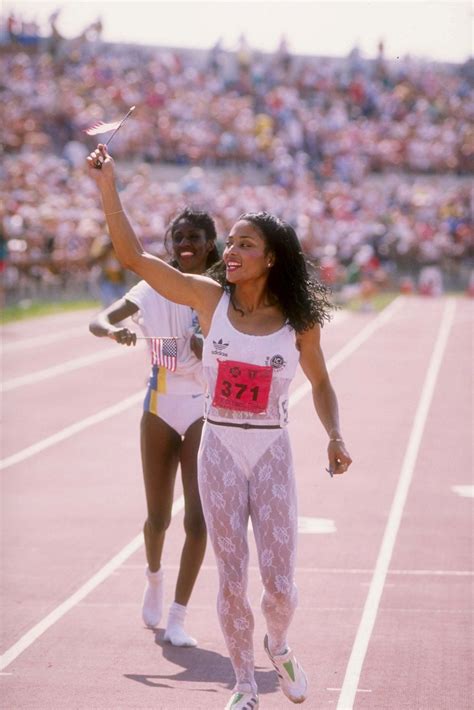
x=243 y=387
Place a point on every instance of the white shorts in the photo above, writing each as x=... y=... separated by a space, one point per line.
x=179 y=411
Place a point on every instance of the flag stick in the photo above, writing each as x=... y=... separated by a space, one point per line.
x=98 y=164
x=120 y=124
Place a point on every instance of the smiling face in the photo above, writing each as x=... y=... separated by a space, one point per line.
x=245 y=254
x=190 y=247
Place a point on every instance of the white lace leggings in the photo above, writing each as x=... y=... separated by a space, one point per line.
x=246 y=473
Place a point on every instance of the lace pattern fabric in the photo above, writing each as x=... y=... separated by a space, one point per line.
x=249 y=474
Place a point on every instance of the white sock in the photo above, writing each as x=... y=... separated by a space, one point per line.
x=152 y=607
x=175 y=632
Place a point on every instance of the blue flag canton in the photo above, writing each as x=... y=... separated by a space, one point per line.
x=170 y=347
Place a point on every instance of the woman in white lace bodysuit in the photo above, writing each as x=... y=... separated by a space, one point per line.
x=261 y=315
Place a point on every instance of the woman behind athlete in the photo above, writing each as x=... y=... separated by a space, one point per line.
x=258 y=324
x=172 y=418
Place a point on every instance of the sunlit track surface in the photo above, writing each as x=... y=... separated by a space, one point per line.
x=384 y=561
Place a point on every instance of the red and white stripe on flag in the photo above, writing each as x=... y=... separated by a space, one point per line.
x=101 y=127
x=164 y=352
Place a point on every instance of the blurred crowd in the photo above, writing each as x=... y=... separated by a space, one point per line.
x=368 y=159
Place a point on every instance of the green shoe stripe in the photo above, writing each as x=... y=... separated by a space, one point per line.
x=237 y=697
x=288 y=666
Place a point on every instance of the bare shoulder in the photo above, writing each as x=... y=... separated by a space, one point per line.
x=308 y=339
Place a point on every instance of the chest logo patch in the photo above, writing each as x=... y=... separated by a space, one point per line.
x=278 y=362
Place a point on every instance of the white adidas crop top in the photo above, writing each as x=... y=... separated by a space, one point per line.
x=247 y=376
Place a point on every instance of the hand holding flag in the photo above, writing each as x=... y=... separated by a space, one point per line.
x=101 y=127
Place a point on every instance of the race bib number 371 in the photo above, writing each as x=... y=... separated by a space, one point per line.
x=242 y=386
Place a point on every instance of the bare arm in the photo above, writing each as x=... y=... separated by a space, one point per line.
x=103 y=324
x=199 y=292
x=324 y=397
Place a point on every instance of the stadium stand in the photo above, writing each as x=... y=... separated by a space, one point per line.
x=370 y=160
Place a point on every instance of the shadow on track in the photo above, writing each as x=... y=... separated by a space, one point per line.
x=200 y=666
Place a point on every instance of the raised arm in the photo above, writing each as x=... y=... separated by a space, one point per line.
x=324 y=397
x=199 y=292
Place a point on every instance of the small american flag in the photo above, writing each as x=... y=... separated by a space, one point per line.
x=164 y=352
x=101 y=127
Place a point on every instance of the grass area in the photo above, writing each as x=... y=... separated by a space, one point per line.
x=375 y=303
x=36 y=309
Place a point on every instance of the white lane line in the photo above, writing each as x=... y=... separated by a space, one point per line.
x=35 y=341
x=40 y=340
x=380 y=320
x=463 y=491
x=40 y=375
x=339 y=317
x=316 y=526
x=71 y=430
x=359 y=690
x=71 y=365
x=31 y=636
x=435 y=572
x=108 y=569
x=312 y=526
x=369 y=614
x=295 y=397
x=340 y=570
x=61 y=369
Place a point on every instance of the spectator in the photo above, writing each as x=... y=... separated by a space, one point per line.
x=359 y=152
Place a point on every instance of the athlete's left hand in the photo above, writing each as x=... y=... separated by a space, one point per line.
x=338 y=456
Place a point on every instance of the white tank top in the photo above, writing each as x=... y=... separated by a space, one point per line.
x=247 y=376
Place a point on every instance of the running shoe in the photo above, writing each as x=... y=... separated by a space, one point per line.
x=243 y=701
x=293 y=681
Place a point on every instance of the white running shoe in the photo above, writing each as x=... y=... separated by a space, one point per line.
x=293 y=681
x=243 y=701
x=152 y=607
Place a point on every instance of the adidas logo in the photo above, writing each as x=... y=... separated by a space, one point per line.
x=219 y=347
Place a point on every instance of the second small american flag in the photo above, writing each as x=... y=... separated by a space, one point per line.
x=164 y=352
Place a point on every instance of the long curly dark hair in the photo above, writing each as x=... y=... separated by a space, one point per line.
x=291 y=281
x=200 y=220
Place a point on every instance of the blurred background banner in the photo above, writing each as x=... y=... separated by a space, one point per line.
x=350 y=120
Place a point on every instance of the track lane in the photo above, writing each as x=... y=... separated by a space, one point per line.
x=428 y=616
x=366 y=495
x=48 y=467
x=131 y=673
x=73 y=396
x=43 y=479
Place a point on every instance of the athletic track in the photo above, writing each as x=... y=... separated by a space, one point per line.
x=385 y=552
